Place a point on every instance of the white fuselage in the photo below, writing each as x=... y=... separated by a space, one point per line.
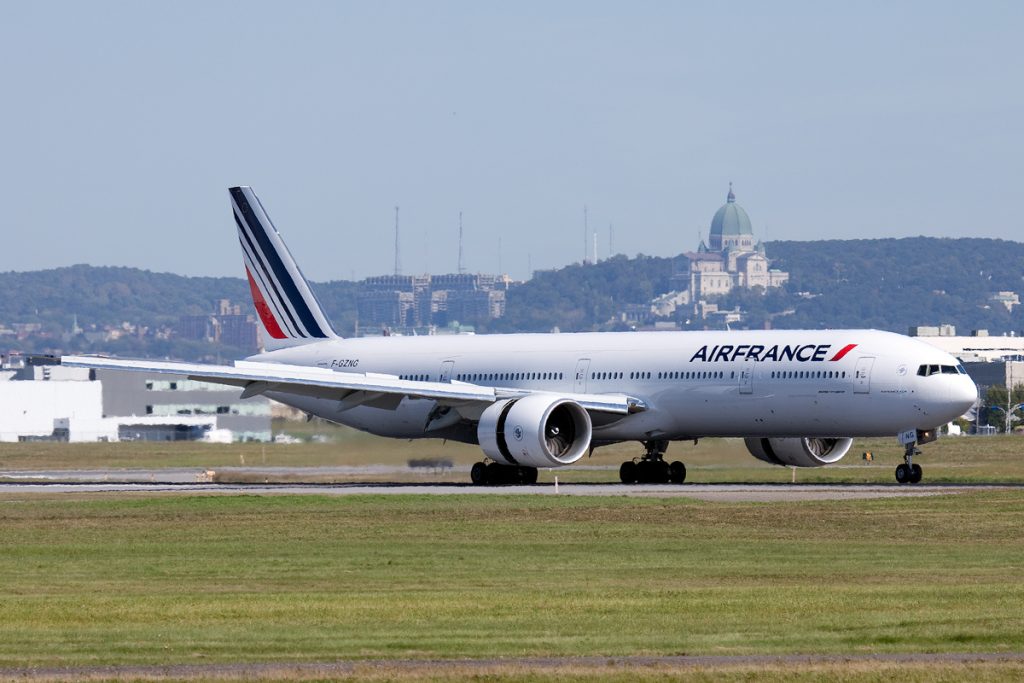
x=694 y=384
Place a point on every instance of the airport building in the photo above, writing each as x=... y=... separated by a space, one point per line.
x=163 y=396
x=55 y=403
x=979 y=347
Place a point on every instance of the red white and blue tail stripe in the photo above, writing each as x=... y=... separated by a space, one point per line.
x=287 y=307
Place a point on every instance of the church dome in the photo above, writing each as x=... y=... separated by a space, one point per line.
x=730 y=225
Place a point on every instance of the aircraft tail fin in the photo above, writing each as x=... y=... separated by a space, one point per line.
x=288 y=310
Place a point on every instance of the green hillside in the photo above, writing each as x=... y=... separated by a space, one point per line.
x=886 y=284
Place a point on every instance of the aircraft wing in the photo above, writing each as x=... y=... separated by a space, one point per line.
x=358 y=388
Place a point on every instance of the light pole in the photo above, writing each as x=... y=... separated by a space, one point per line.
x=1008 y=411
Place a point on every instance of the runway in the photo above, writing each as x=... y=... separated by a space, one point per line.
x=198 y=482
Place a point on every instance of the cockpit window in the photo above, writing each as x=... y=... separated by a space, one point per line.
x=928 y=370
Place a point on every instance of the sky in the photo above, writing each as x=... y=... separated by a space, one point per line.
x=122 y=125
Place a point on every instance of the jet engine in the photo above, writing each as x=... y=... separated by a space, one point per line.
x=799 y=452
x=535 y=431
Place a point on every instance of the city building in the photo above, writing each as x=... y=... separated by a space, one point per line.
x=731 y=258
x=422 y=301
x=1006 y=299
x=227 y=324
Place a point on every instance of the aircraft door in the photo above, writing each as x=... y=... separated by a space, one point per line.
x=747 y=379
x=446 y=371
x=862 y=376
x=582 y=368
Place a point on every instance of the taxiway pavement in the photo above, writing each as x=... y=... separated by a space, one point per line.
x=197 y=482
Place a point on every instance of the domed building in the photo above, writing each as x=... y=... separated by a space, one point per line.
x=731 y=258
x=730 y=228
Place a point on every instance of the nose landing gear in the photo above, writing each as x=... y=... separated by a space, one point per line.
x=909 y=472
x=652 y=468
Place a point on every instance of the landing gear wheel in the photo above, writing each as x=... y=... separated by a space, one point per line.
x=909 y=472
x=528 y=475
x=627 y=472
x=495 y=474
x=478 y=474
x=652 y=468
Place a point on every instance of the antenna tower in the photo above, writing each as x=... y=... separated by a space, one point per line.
x=461 y=269
x=398 y=264
x=586 y=234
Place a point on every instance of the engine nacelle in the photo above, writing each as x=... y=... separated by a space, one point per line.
x=535 y=431
x=799 y=452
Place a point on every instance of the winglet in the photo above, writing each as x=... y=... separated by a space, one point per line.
x=288 y=310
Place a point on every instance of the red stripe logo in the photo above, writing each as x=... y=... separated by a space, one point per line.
x=269 y=322
x=843 y=351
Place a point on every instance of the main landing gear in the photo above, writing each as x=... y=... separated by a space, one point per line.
x=909 y=472
x=652 y=468
x=493 y=474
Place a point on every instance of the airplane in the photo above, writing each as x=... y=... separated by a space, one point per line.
x=796 y=397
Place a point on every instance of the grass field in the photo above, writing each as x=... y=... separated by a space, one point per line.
x=94 y=580
x=951 y=459
x=155 y=580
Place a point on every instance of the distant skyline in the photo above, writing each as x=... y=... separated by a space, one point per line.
x=124 y=123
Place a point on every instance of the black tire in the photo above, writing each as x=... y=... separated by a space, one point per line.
x=915 y=473
x=661 y=471
x=677 y=472
x=495 y=474
x=528 y=475
x=478 y=474
x=902 y=474
x=628 y=472
x=643 y=472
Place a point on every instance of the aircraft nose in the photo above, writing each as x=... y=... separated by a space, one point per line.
x=964 y=393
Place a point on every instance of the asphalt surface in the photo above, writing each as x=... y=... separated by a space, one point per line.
x=195 y=481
